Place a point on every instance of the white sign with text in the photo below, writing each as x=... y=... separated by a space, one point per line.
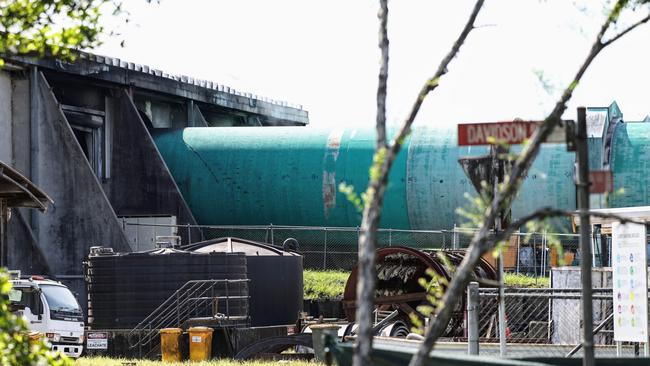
x=630 y=282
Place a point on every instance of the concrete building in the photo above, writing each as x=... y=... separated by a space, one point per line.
x=81 y=132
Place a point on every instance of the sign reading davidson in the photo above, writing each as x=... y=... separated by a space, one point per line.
x=511 y=132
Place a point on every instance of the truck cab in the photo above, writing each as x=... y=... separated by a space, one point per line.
x=49 y=307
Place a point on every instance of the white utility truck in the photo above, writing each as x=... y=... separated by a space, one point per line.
x=50 y=308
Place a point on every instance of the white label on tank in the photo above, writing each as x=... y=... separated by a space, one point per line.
x=596 y=121
x=196 y=339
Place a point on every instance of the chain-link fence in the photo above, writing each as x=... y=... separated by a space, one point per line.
x=539 y=321
x=335 y=248
x=545 y=322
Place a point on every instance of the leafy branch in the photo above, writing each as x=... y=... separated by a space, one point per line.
x=482 y=242
x=385 y=155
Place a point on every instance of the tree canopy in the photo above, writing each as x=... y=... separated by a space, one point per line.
x=55 y=27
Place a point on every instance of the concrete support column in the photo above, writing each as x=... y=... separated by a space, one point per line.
x=34 y=111
x=4 y=220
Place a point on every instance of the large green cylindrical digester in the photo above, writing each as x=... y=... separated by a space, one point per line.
x=290 y=176
x=630 y=165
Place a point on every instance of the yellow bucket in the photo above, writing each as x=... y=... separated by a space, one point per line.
x=200 y=343
x=169 y=344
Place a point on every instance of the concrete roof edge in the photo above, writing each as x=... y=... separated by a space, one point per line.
x=145 y=77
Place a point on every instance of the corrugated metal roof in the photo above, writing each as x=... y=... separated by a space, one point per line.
x=20 y=191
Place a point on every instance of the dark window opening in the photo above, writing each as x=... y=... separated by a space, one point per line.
x=85 y=141
x=93 y=134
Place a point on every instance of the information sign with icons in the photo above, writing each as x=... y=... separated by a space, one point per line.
x=630 y=282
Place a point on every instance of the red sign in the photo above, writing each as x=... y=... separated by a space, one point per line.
x=601 y=181
x=512 y=132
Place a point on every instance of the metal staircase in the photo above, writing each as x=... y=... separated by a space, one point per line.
x=195 y=299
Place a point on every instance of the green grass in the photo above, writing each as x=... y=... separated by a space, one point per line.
x=522 y=280
x=105 y=361
x=330 y=284
x=324 y=284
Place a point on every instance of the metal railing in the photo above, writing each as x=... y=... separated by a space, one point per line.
x=195 y=299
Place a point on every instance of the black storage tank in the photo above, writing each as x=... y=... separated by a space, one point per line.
x=275 y=274
x=124 y=288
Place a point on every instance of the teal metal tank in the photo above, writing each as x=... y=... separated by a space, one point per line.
x=290 y=176
x=631 y=165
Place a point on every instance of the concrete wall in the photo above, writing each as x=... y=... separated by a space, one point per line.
x=567 y=313
x=20 y=112
x=81 y=215
x=85 y=210
x=143 y=78
x=140 y=182
x=37 y=139
x=5 y=117
x=24 y=253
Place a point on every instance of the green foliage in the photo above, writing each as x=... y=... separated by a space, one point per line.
x=34 y=27
x=522 y=280
x=324 y=284
x=330 y=284
x=401 y=140
x=374 y=174
x=552 y=239
x=432 y=83
x=475 y=209
x=377 y=163
x=351 y=195
x=15 y=346
x=617 y=193
x=435 y=290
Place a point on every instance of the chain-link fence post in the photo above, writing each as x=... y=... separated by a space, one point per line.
x=325 y=250
x=518 y=245
x=444 y=240
x=189 y=234
x=544 y=239
x=535 y=254
x=472 y=318
x=271 y=231
x=502 y=308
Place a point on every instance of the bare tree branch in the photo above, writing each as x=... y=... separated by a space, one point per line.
x=627 y=30
x=382 y=164
x=383 y=74
x=548 y=212
x=372 y=212
x=480 y=243
x=429 y=86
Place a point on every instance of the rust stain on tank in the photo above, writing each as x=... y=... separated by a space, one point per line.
x=332 y=148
